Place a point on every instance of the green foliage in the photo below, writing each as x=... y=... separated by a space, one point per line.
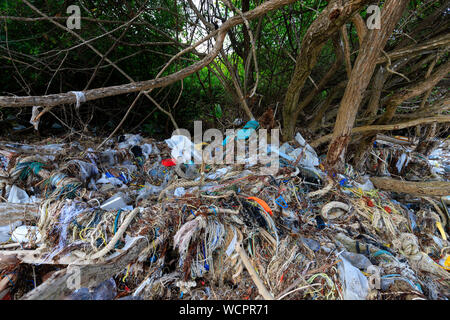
x=218 y=111
x=51 y=60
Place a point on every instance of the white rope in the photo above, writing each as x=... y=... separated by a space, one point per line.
x=80 y=98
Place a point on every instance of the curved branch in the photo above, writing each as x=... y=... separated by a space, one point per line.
x=98 y=93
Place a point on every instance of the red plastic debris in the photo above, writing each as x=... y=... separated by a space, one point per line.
x=388 y=210
x=7 y=296
x=168 y=162
x=370 y=203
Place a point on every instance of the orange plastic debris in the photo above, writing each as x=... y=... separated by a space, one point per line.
x=262 y=203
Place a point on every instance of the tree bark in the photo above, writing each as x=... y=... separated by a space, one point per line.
x=432 y=188
x=386 y=127
x=365 y=63
x=378 y=83
x=413 y=91
x=348 y=63
x=361 y=28
x=329 y=21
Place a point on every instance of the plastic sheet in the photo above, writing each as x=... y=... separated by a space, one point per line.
x=183 y=149
x=106 y=290
x=116 y=202
x=356 y=286
x=17 y=195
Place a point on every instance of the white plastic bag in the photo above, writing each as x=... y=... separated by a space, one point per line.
x=17 y=195
x=131 y=140
x=179 y=192
x=183 y=149
x=355 y=284
x=218 y=174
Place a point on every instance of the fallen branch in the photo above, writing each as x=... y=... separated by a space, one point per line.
x=437 y=42
x=248 y=265
x=12 y=212
x=432 y=188
x=385 y=127
x=57 y=286
x=382 y=137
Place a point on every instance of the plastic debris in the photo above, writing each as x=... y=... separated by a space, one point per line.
x=158 y=223
x=356 y=286
x=17 y=195
x=26 y=234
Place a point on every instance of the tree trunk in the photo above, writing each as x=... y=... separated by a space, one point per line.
x=365 y=63
x=329 y=21
x=361 y=28
x=413 y=91
x=378 y=83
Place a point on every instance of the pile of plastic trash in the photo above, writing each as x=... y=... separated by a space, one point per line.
x=142 y=220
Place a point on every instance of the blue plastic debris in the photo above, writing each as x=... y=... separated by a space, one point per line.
x=281 y=202
x=245 y=132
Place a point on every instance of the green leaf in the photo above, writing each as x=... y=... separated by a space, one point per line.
x=218 y=111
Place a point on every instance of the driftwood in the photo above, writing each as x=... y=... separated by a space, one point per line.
x=12 y=257
x=11 y=212
x=62 y=283
x=432 y=188
x=248 y=265
x=386 y=127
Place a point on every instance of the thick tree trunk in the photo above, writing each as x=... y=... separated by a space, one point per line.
x=365 y=63
x=330 y=20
